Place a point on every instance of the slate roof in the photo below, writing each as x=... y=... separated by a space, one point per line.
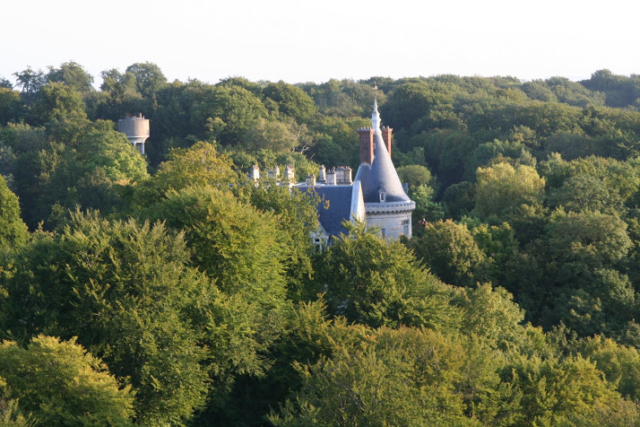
x=381 y=173
x=339 y=209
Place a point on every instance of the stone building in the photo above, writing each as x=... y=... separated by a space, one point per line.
x=375 y=195
x=387 y=205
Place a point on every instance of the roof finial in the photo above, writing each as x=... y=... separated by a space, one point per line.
x=375 y=117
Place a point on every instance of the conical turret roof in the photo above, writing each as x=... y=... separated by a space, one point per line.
x=381 y=175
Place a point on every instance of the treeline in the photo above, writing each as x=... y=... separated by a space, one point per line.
x=169 y=290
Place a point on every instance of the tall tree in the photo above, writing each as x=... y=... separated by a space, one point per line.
x=74 y=75
x=291 y=100
x=376 y=283
x=59 y=383
x=13 y=231
x=148 y=78
x=124 y=289
x=59 y=102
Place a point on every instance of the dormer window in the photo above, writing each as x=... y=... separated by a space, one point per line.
x=381 y=196
x=382 y=193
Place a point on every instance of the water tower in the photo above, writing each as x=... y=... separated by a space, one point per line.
x=136 y=129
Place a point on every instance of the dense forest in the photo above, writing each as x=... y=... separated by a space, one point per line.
x=166 y=289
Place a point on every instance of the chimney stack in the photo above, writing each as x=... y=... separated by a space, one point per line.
x=366 y=145
x=343 y=175
x=331 y=177
x=322 y=176
x=289 y=174
x=386 y=136
x=255 y=173
x=274 y=173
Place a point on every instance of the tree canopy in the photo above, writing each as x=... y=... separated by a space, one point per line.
x=170 y=289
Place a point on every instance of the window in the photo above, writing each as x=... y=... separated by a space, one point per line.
x=382 y=193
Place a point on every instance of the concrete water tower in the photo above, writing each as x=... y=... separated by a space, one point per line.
x=136 y=129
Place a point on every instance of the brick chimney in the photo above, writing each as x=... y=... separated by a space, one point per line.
x=366 y=145
x=386 y=136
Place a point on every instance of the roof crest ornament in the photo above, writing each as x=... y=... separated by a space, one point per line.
x=375 y=116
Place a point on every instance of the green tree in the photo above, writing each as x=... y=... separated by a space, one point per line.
x=13 y=231
x=502 y=188
x=595 y=238
x=553 y=392
x=10 y=414
x=450 y=252
x=225 y=113
x=124 y=289
x=60 y=103
x=11 y=108
x=296 y=217
x=538 y=90
x=459 y=199
x=514 y=152
x=420 y=105
x=148 y=77
x=491 y=313
x=276 y=136
x=201 y=165
x=291 y=100
x=585 y=193
x=415 y=175
x=74 y=75
x=30 y=81
x=403 y=376
x=87 y=165
x=620 y=364
x=376 y=283
x=426 y=209
x=59 y=383
x=231 y=241
x=119 y=96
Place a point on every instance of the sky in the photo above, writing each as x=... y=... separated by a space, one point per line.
x=306 y=41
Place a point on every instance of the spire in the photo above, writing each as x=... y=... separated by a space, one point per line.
x=375 y=117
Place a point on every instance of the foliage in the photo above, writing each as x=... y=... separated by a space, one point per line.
x=419 y=373
x=291 y=100
x=374 y=283
x=13 y=231
x=58 y=102
x=530 y=195
x=124 y=290
x=231 y=241
x=426 y=209
x=501 y=189
x=59 y=383
x=414 y=175
x=72 y=74
x=450 y=252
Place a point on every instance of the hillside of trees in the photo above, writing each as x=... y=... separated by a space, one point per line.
x=166 y=289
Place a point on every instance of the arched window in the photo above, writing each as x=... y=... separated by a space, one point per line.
x=382 y=193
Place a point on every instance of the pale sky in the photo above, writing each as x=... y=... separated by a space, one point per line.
x=301 y=41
